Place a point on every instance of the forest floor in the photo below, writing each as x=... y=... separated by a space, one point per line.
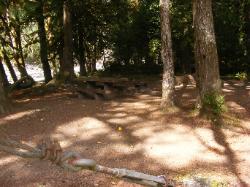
x=130 y=133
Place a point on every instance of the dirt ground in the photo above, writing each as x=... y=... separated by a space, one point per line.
x=130 y=133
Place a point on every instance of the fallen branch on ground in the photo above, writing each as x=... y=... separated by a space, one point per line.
x=50 y=149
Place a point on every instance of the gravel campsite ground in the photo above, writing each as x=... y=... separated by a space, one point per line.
x=130 y=132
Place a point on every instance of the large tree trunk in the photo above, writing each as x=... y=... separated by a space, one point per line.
x=14 y=43
x=247 y=29
x=20 y=66
x=43 y=43
x=19 y=53
x=82 y=56
x=10 y=68
x=94 y=58
x=4 y=103
x=3 y=75
x=9 y=65
x=206 y=57
x=167 y=56
x=67 y=66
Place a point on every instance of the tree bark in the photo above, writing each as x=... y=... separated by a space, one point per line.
x=3 y=75
x=94 y=58
x=43 y=43
x=9 y=65
x=167 y=56
x=13 y=43
x=19 y=51
x=247 y=29
x=82 y=56
x=67 y=66
x=4 y=103
x=206 y=57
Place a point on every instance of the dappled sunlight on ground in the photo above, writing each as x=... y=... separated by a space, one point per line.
x=125 y=120
x=132 y=133
x=179 y=147
x=84 y=129
x=8 y=159
x=236 y=106
x=18 y=115
x=227 y=90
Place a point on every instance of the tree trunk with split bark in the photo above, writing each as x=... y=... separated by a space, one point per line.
x=67 y=65
x=43 y=43
x=82 y=52
x=19 y=49
x=247 y=30
x=7 y=27
x=3 y=74
x=4 y=103
x=167 y=56
x=206 y=57
x=9 y=66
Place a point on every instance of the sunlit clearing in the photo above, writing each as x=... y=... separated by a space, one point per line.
x=190 y=86
x=239 y=84
x=119 y=115
x=236 y=106
x=8 y=160
x=125 y=120
x=227 y=90
x=179 y=86
x=84 y=129
x=125 y=149
x=18 y=115
x=135 y=108
x=178 y=147
x=116 y=115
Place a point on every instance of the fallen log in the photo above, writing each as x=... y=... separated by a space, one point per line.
x=36 y=90
x=72 y=161
x=24 y=82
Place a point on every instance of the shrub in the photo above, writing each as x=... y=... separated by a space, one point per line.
x=241 y=76
x=214 y=102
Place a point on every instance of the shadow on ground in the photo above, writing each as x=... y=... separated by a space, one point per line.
x=132 y=133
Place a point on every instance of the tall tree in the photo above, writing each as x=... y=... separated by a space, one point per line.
x=67 y=65
x=206 y=57
x=14 y=38
x=247 y=29
x=81 y=50
x=4 y=103
x=6 y=59
x=43 y=42
x=18 y=45
x=167 y=56
x=9 y=65
x=3 y=74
